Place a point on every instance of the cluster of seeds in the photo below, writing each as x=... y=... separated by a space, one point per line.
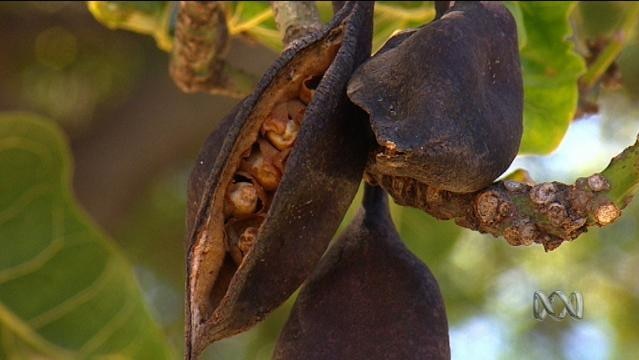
x=261 y=168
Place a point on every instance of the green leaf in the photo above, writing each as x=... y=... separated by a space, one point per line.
x=254 y=20
x=394 y=16
x=430 y=239
x=515 y=10
x=600 y=19
x=65 y=290
x=551 y=69
x=144 y=17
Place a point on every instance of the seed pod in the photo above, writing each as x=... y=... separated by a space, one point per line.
x=369 y=298
x=283 y=124
x=445 y=101
x=265 y=164
x=241 y=266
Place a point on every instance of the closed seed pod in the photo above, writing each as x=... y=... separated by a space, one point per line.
x=270 y=188
x=445 y=101
x=369 y=298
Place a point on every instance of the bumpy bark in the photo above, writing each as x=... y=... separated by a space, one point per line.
x=546 y=213
x=524 y=214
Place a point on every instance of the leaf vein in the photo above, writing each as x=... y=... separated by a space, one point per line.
x=38 y=261
x=74 y=301
x=109 y=328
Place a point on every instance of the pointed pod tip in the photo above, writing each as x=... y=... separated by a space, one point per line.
x=382 y=279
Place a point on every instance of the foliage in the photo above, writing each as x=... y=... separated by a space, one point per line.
x=65 y=290
x=145 y=17
x=551 y=69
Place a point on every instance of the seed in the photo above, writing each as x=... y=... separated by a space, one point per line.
x=283 y=124
x=262 y=170
x=296 y=110
x=247 y=240
x=272 y=155
x=243 y=245
x=276 y=120
x=287 y=138
x=241 y=200
x=236 y=254
x=238 y=236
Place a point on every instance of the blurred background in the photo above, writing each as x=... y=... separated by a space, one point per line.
x=134 y=137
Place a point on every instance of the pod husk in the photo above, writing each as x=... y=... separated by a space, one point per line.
x=369 y=298
x=446 y=101
x=321 y=177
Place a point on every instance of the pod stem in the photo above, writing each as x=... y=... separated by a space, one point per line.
x=295 y=19
x=546 y=213
x=375 y=199
x=611 y=52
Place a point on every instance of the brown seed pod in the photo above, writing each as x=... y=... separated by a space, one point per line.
x=369 y=298
x=445 y=101
x=245 y=261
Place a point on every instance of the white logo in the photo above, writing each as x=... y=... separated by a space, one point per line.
x=543 y=305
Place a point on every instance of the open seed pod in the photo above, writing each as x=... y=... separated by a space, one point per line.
x=446 y=101
x=271 y=187
x=369 y=298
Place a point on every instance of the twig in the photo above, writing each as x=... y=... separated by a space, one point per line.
x=610 y=53
x=197 y=61
x=546 y=213
x=236 y=27
x=295 y=19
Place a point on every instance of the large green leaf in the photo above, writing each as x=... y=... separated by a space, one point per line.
x=551 y=69
x=65 y=291
x=152 y=18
